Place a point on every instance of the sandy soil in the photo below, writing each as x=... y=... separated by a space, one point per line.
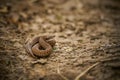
x=87 y=35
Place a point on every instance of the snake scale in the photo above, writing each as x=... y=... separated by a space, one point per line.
x=40 y=46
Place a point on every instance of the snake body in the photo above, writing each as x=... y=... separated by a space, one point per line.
x=40 y=46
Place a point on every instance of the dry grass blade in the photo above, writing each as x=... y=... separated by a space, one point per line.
x=84 y=72
x=58 y=71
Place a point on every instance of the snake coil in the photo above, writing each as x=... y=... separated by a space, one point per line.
x=40 y=46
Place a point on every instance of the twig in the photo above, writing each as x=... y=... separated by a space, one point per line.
x=84 y=72
x=58 y=71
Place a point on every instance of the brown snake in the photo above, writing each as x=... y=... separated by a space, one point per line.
x=40 y=46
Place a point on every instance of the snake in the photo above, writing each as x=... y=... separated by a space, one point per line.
x=40 y=46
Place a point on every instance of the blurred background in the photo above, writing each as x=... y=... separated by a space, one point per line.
x=86 y=31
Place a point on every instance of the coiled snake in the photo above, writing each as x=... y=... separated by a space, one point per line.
x=40 y=46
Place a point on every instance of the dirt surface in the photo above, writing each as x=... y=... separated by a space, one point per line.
x=87 y=35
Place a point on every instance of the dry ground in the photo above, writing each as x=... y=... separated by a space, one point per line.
x=87 y=33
